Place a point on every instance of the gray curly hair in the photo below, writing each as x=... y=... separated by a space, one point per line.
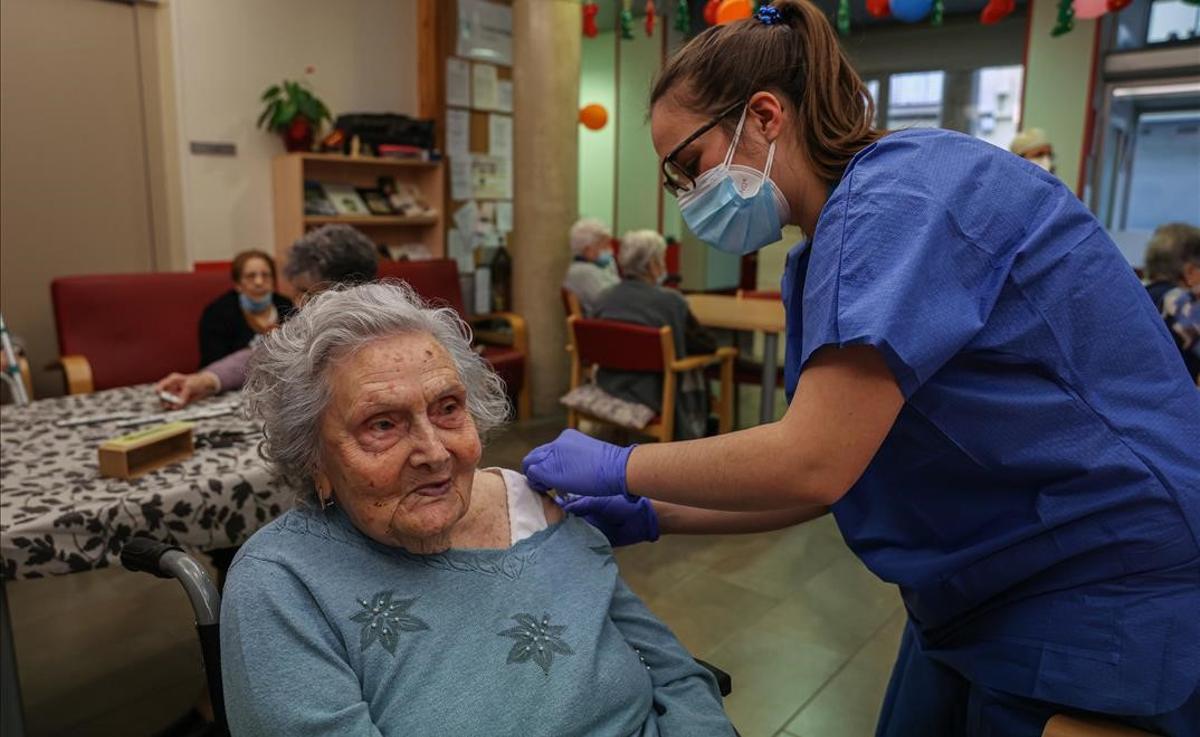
x=288 y=384
x=332 y=253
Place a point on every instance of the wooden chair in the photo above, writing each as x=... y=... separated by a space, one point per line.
x=570 y=302
x=623 y=346
x=1061 y=725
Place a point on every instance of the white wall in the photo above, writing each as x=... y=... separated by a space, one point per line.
x=228 y=51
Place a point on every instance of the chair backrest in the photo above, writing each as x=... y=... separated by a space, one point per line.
x=213 y=267
x=759 y=294
x=570 y=302
x=621 y=346
x=133 y=328
x=436 y=280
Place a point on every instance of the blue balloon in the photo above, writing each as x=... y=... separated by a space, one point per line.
x=911 y=11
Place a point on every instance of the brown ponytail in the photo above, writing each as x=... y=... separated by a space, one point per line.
x=798 y=58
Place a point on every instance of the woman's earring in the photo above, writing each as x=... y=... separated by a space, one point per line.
x=326 y=501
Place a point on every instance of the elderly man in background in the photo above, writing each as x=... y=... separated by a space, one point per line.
x=328 y=255
x=640 y=298
x=591 y=271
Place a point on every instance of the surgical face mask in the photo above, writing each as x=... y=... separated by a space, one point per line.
x=1045 y=162
x=255 y=306
x=736 y=208
x=604 y=260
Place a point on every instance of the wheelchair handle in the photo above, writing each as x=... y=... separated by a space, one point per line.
x=145 y=554
x=169 y=561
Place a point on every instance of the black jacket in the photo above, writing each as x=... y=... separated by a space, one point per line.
x=223 y=327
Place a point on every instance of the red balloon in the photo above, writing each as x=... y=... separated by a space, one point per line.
x=731 y=10
x=879 y=8
x=996 y=11
x=589 y=19
x=710 y=12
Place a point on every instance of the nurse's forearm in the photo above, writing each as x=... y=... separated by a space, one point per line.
x=845 y=404
x=676 y=519
x=748 y=470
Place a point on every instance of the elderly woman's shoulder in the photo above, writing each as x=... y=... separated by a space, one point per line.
x=300 y=531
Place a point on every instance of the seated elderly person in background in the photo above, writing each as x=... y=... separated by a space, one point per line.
x=328 y=255
x=639 y=299
x=1172 y=264
x=591 y=270
x=410 y=592
x=233 y=320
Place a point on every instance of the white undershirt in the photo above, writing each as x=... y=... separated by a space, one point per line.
x=525 y=512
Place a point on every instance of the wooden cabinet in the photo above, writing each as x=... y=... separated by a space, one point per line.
x=290 y=171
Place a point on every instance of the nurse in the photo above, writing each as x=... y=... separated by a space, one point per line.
x=979 y=390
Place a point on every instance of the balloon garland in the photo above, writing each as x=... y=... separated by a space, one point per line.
x=683 y=17
x=650 y=17
x=627 y=20
x=589 y=19
x=843 y=17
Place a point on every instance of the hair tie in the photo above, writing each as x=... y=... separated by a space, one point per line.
x=769 y=16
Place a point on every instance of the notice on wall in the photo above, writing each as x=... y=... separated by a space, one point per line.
x=458 y=82
x=484 y=86
x=485 y=31
x=466 y=218
x=504 y=217
x=458 y=133
x=500 y=136
x=460 y=248
x=460 y=178
x=491 y=178
x=504 y=92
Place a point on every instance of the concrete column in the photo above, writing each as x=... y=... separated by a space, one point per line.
x=546 y=58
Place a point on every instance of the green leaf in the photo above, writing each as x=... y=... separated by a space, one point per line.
x=272 y=91
x=284 y=115
x=265 y=115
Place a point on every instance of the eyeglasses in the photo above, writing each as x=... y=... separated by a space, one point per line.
x=678 y=180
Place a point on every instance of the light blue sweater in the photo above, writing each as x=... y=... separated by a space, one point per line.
x=327 y=632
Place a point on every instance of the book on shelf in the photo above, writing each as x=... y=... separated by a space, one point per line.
x=345 y=199
x=315 y=201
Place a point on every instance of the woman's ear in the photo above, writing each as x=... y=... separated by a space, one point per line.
x=766 y=113
x=324 y=487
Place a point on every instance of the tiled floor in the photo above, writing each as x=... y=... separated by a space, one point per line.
x=806 y=632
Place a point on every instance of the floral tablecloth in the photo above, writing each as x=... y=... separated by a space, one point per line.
x=58 y=515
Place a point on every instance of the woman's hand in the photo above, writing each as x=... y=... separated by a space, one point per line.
x=577 y=464
x=623 y=521
x=188 y=388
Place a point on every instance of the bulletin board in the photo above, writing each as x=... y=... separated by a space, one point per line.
x=470 y=128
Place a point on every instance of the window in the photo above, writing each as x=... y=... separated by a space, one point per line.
x=915 y=100
x=997 y=104
x=1173 y=20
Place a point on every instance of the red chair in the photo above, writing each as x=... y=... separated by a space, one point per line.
x=623 y=346
x=437 y=281
x=124 y=329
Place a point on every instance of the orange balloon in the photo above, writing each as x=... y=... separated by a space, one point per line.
x=731 y=10
x=593 y=116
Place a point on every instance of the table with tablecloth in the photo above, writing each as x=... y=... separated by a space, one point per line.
x=59 y=516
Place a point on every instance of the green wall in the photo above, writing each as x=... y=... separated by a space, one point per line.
x=619 y=178
x=1056 y=86
x=597 y=149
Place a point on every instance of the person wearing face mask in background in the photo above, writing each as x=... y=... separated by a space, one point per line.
x=1033 y=145
x=979 y=391
x=592 y=269
x=251 y=308
x=640 y=298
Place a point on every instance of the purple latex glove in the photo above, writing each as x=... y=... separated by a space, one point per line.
x=577 y=464
x=622 y=520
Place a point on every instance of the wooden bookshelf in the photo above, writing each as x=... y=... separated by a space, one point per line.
x=290 y=171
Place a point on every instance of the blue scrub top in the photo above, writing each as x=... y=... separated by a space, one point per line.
x=1038 y=499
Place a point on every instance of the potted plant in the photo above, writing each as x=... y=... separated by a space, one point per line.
x=293 y=112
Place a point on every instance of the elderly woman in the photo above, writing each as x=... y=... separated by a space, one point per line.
x=591 y=270
x=330 y=254
x=234 y=320
x=412 y=593
x=641 y=299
